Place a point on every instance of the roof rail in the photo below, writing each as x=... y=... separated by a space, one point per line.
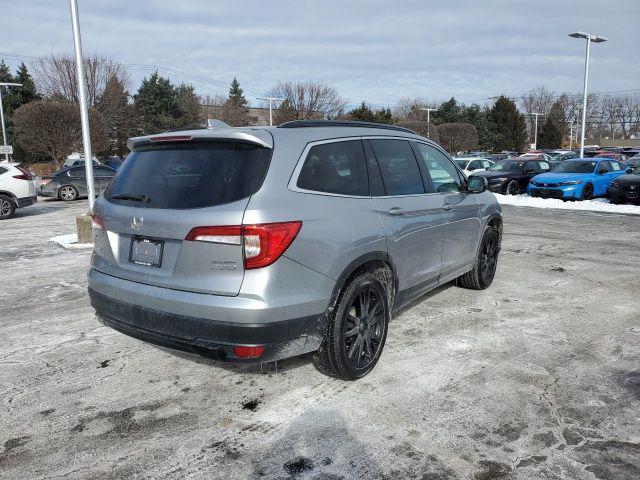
x=342 y=123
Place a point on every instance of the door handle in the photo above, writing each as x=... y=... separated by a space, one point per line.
x=396 y=211
x=446 y=207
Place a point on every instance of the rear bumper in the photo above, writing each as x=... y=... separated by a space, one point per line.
x=43 y=191
x=209 y=337
x=26 y=201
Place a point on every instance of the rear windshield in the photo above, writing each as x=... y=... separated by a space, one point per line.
x=189 y=176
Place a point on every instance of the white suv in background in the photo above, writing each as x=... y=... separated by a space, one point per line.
x=17 y=189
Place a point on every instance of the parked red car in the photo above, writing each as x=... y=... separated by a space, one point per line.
x=616 y=156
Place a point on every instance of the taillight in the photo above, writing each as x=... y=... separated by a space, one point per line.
x=46 y=180
x=262 y=244
x=248 y=351
x=96 y=221
x=265 y=243
x=24 y=176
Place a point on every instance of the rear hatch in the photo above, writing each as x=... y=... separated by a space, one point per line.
x=163 y=192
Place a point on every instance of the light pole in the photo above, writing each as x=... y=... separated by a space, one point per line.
x=428 y=110
x=571 y=136
x=4 y=132
x=271 y=100
x=590 y=37
x=535 y=134
x=82 y=97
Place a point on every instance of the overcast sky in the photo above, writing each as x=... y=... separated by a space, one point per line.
x=377 y=51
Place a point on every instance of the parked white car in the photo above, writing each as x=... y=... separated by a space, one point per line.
x=17 y=189
x=471 y=165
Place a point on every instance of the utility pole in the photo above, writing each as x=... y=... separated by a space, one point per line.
x=4 y=132
x=271 y=100
x=428 y=110
x=595 y=39
x=571 y=136
x=82 y=97
x=535 y=135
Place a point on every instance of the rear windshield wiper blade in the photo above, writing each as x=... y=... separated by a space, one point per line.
x=128 y=196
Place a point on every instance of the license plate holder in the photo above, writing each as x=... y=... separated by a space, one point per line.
x=146 y=251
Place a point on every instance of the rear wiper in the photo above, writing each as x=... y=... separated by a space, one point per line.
x=127 y=196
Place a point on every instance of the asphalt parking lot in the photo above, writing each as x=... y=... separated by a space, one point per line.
x=536 y=377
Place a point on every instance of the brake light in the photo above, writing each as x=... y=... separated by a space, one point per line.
x=248 y=351
x=265 y=243
x=24 y=175
x=262 y=244
x=96 y=221
x=171 y=138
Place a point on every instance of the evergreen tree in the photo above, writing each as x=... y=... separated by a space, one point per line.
x=156 y=103
x=362 y=113
x=508 y=125
x=236 y=95
x=119 y=117
x=448 y=112
x=27 y=92
x=550 y=135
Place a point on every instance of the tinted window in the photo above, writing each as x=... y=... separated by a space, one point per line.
x=103 y=172
x=543 y=166
x=76 y=172
x=486 y=164
x=337 y=167
x=604 y=166
x=398 y=166
x=190 y=176
x=507 y=166
x=443 y=174
x=476 y=164
x=615 y=166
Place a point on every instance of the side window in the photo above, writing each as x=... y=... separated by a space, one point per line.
x=375 y=177
x=530 y=167
x=337 y=167
x=103 y=172
x=544 y=166
x=444 y=176
x=615 y=166
x=475 y=165
x=76 y=172
x=604 y=166
x=398 y=166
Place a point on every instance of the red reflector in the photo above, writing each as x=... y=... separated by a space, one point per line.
x=96 y=221
x=171 y=138
x=246 y=351
x=265 y=243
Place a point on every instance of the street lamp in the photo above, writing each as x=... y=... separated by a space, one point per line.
x=271 y=100
x=590 y=37
x=535 y=135
x=4 y=132
x=428 y=110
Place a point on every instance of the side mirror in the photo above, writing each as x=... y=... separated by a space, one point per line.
x=477 y=184
x=471 y=169
x=529 y=170
x=629 y=170
x=602 y=171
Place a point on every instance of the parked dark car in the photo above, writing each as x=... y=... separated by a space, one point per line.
x=626 y=188
x=562 y=156
x=71 y=183
x=633 y=162
x=113 y=162
x=511 y=177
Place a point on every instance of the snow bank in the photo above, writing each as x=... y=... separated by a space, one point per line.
x=596 y=205
x=70 y=242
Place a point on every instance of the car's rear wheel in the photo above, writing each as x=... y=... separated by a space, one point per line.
x=67 y=193
x=356 y=330
x=587 y=192
x=7 y=207
x=484 y=268
x=512 y=188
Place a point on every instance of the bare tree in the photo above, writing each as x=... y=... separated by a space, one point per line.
x=456 y=137
x=307 y=100
x=55 y=76
x=53 y=128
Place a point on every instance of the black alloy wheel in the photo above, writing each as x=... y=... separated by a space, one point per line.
x=513 y=188
x=363 y=327
x=488 y=259
x=587 y=192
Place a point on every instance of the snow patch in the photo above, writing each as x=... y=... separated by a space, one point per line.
x=70 y=242
x=595 y=205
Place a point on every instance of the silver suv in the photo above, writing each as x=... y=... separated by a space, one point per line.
x=256 y=244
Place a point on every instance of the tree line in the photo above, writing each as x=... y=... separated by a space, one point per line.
x=43 y=117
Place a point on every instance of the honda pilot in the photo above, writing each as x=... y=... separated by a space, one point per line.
x=257 y=244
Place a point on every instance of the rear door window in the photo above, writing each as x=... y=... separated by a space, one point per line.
x=616 y=167
x=336 y=167
x=193 y=175
x=398 y=166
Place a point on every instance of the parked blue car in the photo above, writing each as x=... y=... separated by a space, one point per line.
x=580 y=179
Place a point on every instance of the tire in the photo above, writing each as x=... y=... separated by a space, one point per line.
x=68 y=193
x=614 y=200
x=513 y=188
x=484 y=268
x=587 y=192
x=7 y=207
x=356 y=330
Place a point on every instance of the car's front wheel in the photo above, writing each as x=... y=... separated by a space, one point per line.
x=67 y=193
x=356 y=330
x=512 y=188
x=587 y=192
x=7 y=207
x=484 y=268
